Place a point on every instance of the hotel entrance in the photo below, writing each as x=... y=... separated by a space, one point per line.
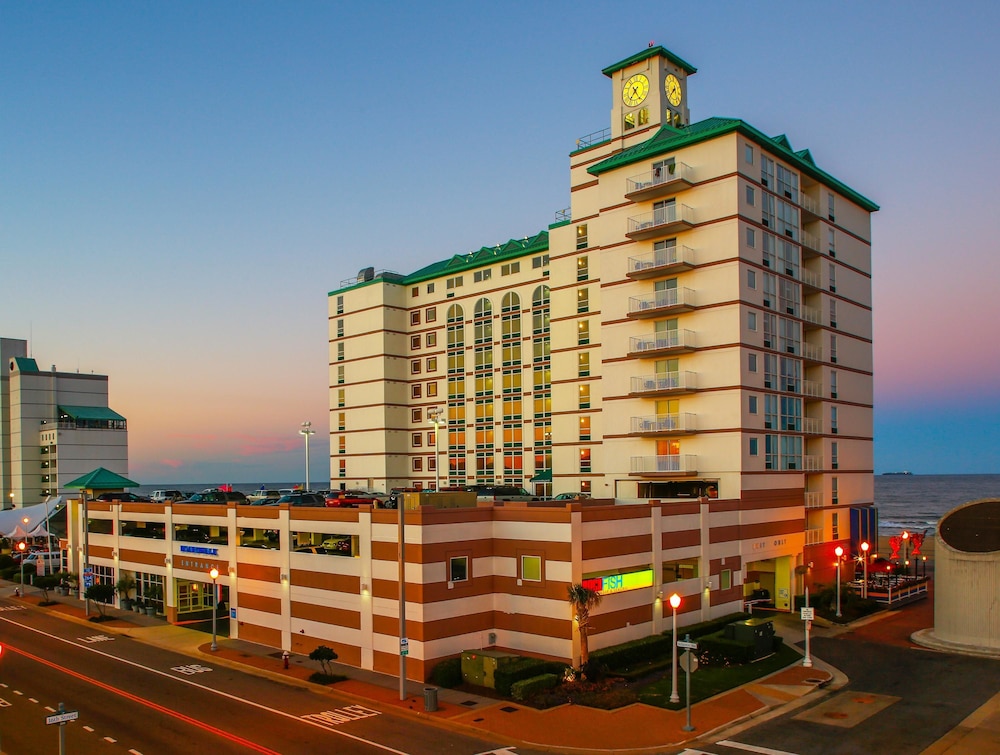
x=195 y=603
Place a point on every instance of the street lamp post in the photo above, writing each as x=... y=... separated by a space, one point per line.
x=434 y=413
x=675 y=602
x=214 y=574
x=906 y=552
x=307 y=431
x=840 y=552
x=864 y=561
x=21 y=546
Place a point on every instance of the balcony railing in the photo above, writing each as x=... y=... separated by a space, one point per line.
x=595 y=137
x=812 y=425
x=812 y=463
x=668 y=464
x=814 y=537
x=812 y=388
x=665 y=382
x=811 y=315
x=667 y=340
x=814 y=499
x=809 y=205
x=809 y=241
x=658 y=301
x=812 y=352
x=655 y=424
x=660 y=180
x=678 y=257
x=808 y=277
x=663 y=220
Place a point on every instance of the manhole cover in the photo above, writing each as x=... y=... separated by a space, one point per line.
x=835 y=714
x=509 y=709
x=469 y=703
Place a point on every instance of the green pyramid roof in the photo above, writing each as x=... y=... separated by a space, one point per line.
x=102 y=479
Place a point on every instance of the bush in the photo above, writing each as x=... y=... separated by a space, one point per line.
x=716 y=650
x=523 y=668
x=633 y=652
x=778 y=642
x=447 y=673
x=527 y=687
x=703 y=628
x=6 y=560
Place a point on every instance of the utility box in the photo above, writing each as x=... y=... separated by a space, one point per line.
x=478 y=666
x=757 y=633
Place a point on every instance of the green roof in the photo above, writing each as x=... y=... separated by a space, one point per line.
x=649 y=53
x=101 y=479
x=668 y=139
x=90 y=412
x=26 y=364
x=458 y=263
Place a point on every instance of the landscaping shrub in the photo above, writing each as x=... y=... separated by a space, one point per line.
x=6 y=560
x=716 y=650
x=778 y=641
x=633 y=652
x=523 y=668
x=712 y=626
x=447 y=673
x=527 y=687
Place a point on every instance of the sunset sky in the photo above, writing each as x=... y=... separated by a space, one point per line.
x=182 y=184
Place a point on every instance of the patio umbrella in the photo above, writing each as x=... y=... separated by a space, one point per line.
x=101 y=479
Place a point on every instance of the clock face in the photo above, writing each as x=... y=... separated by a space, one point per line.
x=673 y=89
x=635 y=90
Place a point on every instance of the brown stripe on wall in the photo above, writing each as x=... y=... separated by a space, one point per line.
x=389 y=626
x=540 y=626
x=333 y=514
x=724 y=534
x=139 y=508
x=258 y=512
x=435 y=592
x=680 y=539
x=720 y=597
x=607 y=622
x=141 y=557
x=513 y=511
x=772 y=499
x=326 y=614
x=259 y=602
x=612 y=513
x=201 y=509
x=417 y=554
x=715 y=565
x=303 y=644
x=680 y=508
x=717 y=506
x=326 y=581
x=689 y=604
x=616 y=546
x=551 y=550
x=457 y=624
x=548 y=589
x=388 y=663
x=770 y=529
x=258 y=572
x=261 y=635
x=103 y=551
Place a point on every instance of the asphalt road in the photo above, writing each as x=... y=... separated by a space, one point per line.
x=144 y=700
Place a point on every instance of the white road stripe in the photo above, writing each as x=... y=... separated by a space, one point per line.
x=753 y=748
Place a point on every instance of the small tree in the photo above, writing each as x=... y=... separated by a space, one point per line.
x=47 y=582
x=583 y=599
x=125 y=585
x=101 y=593
x=324 y=655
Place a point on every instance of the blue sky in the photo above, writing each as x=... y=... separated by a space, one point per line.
x=183 y=183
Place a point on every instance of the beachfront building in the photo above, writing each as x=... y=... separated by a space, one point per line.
x=697 y=325
x=54 y=427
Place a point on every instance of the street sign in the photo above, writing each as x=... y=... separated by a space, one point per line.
x=689 y=662
x=686 y=644
x=88 y=578
x=404 y=646
x=808 y=613
x=61 y=718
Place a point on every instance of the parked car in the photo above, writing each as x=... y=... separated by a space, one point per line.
x=124 y=497
x=337 y=544
x=310 y=549
x=348 y=499
x=52 y=561
x=161 y=496
x=262 y=496
x=216 y=496
x=571 y=496
x=300 y=499
x=395 y=496
x=487 y=493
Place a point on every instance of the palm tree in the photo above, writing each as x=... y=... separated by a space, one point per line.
x=583 y=599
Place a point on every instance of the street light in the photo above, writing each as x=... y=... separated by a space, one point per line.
x=21 y=546
x=906 y=551
x=214 y=574
x=840 y=552
x=307 y=431
x=434 y=414
x=864 y=561
x=675 y=602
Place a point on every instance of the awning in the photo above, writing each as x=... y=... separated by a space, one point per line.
x=12 y=522
x=90 y=413
x=101 y=479
x=544 y=476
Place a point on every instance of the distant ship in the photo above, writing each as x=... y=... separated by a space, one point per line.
x=888 y=473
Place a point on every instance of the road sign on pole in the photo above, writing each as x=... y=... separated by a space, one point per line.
x=61 y=718
x=687 y=645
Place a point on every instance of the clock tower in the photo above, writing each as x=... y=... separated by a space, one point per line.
x=649 y=90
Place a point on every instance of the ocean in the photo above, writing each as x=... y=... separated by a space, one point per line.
x=904 y=502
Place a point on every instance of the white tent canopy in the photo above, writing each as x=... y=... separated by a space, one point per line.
x=12 y=522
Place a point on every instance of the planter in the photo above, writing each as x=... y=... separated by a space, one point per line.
x=126 y=604
x=64 y=591
x=151 y=610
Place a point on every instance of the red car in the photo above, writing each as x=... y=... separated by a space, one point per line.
x=343 y=499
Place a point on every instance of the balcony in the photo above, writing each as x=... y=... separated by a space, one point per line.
x=809 y=278
x=812 y=426
x=810 y=208
x=812 y=388
x=809 y=241
x=811 y=315
x=672 y=464
x=666 y=342
x=659 y=262
x=664 y=384
x=658 y=303
x=814 y=500
x=664 y=424
x=660 y=182
x=814 y=537
x=660 y=222
x=812 y=463
x=811 y=352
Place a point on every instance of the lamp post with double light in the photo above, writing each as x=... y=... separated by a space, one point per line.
x=214 y=574
x=307 y=431
x=675 y=602
x=22 y=547
x=840 y=552
x=864 y=562
x=434 y=414
x=906 y=552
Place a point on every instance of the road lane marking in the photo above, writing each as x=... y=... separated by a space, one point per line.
x=32 y=700
x=192 y=683
x=342 y=715
x=89 y=728
x=191 y=669
x=753 y=748
x=96 y=638
x=5 y=704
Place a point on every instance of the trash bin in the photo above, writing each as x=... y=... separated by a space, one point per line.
x=430 y=699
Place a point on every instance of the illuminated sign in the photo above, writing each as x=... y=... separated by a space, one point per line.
x=200 y=550
x=620 y=582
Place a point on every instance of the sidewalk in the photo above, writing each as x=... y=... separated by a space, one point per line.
x=568 y=728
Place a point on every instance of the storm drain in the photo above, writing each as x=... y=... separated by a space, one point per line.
x=509 y=709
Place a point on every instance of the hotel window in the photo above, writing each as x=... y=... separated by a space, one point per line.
x=414 y=343
x=342 y=468
x=454 y=282
x=770 y=412
x=833 y=349
x=585 y=486
x=415 y=367
x=770 y=452
x=415 y=318
x=482 y=275
x=510 y=269
x=416 y=440
x=753 y=404
x=584 y=397
x=416 y=415
x=415 y=291
x=833 y=420
x=432 y=364
x=788 y=219
x=430 y=288
x=770 y=290
x=726 y=579
x=458 y=569
x=833 y=278
x=791 y=452
x=750 y=196
x=748 y=154
x=835 y=523
x=834 y=456
x=833 y=313
x=752 y=280
x=415 y=391
x=340 y=328
x=768 y=217
x=829 y=208
x=582 y=268
x=432 y=389
x=676 y=571
x=430 y=314
x=341 y=421
x=752 y=322
x=770 y=370
x=833 y=384
x=583 y=333
x=832 y=241
x=340 y=305
x=341 y=401
x=788 y=183
x=584 y=460
x=431 y=441
x=753 y=447
x=542 y=261
x=835 y=499
x=752 y=362
x=581 y=236
x=584 y=428
x=531 y=568
x=583 y=364
x=430 y=339
x=340 y=374
x=751 y=238
x=417 y=464
x=340 y=352
x=342 y=444
x=583 y=300
x=431 y=463
x=767 y=171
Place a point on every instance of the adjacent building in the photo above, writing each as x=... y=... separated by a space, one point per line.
x=697 y=323
x=54 y=427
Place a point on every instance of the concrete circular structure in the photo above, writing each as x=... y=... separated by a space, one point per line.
x=967 y=581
